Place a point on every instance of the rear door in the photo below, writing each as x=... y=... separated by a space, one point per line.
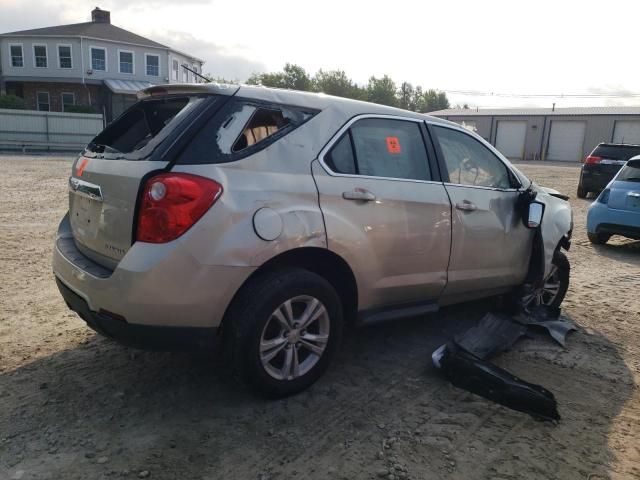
x=490 y=245
x=385 y=210
x=106 y=179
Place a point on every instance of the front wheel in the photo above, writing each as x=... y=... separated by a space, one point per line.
x=555 y=286
x=286 y=327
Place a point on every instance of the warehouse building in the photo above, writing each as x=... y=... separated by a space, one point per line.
x=560 y=134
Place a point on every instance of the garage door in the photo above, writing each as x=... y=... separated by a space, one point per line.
x=510 y=138
x=626 y=132
x=565 y=141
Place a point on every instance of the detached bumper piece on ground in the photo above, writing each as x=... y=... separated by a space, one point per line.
x=463 y=360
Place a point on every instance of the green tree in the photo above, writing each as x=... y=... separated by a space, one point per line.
x=12 y=102
x=293 y=77
x=434 y=100
x=382 y=91
x=406 y=96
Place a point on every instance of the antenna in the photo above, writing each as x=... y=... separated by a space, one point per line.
x=206 y=80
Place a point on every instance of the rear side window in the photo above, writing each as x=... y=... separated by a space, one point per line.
x=378 y=147
x=141 y=124
x=616 y=152
x=242 y=128
x=630 y=172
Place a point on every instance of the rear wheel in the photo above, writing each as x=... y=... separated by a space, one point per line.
x=582 y=192
x=598 y=238
x=286 y=327
x=555 y=286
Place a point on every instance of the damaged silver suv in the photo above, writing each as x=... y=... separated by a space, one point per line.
x=267 y=219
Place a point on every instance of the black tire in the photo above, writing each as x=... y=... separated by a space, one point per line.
x=561 y=261
x=598 y=238
x=252 y=310
x=582 y=192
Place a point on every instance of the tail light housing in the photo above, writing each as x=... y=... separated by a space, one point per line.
x=172 y=203
x=592 y=159
x=604 y=196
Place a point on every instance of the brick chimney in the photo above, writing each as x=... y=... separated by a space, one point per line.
x=100 y=16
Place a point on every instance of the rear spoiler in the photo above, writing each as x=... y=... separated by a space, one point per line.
x=189 y=89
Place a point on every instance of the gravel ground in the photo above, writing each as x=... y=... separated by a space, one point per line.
x=75 y=405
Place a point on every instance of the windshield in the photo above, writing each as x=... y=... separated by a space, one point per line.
x=630 y=172
x=142 y=123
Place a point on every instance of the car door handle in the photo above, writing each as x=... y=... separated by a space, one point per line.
x=466 y=206
x=360 y=194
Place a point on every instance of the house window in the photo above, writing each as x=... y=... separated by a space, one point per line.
x=17 y=59
x=175 y=67
x=64 y=56
x=40 y=56
x=185 y=75
x=43 y=101
x=68 y=98
x=153 y=65
x=98 y=59
x=126 y=62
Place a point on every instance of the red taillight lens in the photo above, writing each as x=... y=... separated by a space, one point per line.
x=591 y=159
x=172 y=203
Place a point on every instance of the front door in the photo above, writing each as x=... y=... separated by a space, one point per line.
x=385 y=211
x=491 y=247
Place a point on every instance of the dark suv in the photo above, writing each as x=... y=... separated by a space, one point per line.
x=602 y=164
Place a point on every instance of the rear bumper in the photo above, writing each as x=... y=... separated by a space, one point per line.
x=152 y=286
x=593 y=179
x=140 y=336
x=602 y=219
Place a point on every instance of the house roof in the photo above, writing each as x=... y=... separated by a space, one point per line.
x=98 y=30
x=460 y=112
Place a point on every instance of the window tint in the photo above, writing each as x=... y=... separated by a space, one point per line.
x=64 y=56
x=17 y=59
x=242 y=127
x=390 y=148
x=340 y=159
x=468 y=162
x=616 y=152
x=630 y=172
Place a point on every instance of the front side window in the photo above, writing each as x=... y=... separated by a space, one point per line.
x=153 y=65
x=98 y=59
x=43 y=101
x=379 y=147
x=64 y=56
x=174 y=70
x=17 y=59
x=126 y=62
x=470 y=163
x=40 y=56
x=68 y=98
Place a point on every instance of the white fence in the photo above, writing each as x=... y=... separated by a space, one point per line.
x=47 y=130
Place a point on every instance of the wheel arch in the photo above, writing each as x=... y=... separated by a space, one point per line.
x=320 y=261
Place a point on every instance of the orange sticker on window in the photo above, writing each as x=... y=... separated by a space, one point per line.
x=81 y=166
x=393 y=145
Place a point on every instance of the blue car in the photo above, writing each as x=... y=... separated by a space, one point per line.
x=616 y=211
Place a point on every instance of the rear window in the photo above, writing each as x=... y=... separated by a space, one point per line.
x=630 y=172
x=241 y=128
x=142 y=126
x=616 y=152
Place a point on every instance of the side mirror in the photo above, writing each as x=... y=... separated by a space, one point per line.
x=536 y=212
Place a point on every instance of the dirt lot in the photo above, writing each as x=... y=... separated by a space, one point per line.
x=75 y=405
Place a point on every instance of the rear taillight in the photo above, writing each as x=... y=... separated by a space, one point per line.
x=604 y=196
x=172 y=203
x=591 y=159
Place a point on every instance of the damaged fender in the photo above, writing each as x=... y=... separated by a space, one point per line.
x=557 y=224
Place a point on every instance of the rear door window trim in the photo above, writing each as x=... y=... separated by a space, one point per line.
x=346 y=128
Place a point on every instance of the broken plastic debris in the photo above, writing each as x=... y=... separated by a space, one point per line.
x=466 y=371
x=548 y=318
x=494 y=333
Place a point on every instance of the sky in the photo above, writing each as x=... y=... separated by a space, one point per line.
x=490 y=48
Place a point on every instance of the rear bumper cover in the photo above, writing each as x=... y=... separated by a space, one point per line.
x=139 y=336
x=602 y=219
x=593 y=178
